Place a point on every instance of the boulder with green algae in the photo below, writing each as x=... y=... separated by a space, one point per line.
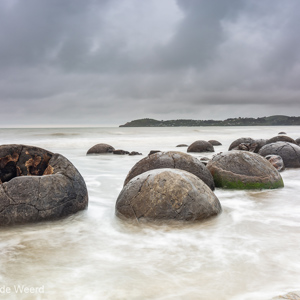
x=167 y=194
x=243 y=170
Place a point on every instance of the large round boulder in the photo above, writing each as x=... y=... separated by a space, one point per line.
x=173 y=160
x=290 y=153
x=201 y=146
x=297 y=141
x=100 y=149
x=37 y=184
x=243 y=170
x=167 y=194
x=281 y=138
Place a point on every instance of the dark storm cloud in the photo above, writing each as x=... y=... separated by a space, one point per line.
x=108 y=61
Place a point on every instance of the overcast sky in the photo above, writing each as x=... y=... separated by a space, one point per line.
x=106 y=62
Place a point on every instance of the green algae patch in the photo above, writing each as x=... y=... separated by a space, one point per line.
x=245 y=185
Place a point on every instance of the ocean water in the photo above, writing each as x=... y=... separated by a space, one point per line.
x=249 y=252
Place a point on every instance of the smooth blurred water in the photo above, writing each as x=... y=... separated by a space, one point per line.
x=250 y=251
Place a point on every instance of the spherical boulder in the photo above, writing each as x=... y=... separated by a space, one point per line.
x=243 y=170
x=276 y=162
x=201 y=146
x=37 y=184
x=281 y=138
x=215 y=143
x=290 y=153
x=167 y=194
x=297 y=141
x=100 y=149
x=172 y=160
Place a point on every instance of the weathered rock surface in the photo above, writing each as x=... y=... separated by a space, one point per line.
x=247 y=144
x=172 y=160
x=290 y=296
x=276 y=162
x=37 y=184
x=100 y=149
x=260 y=143
x=120 y=152
x=167 y=194
x=135 y=153
x=215 y=143
x=281 y=138
x=201 y=146
x=246 y=147
x=243 y=140
x=243 y=170
x=182 y=145
x=290 y=153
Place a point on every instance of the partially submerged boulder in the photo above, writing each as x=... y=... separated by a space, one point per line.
x=37 y=184
x=247 y=144
x=290 y=153
x=243 y=170
x=281 y=138
x=215 y=143
x=167 y=194
x=172 y=160
x=100 y=149
x=242 y=140
x=182 y=145
x=246 y=147
x=201 y=146
x=120 y=152
x=276 y=162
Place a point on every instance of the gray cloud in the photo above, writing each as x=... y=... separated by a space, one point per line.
x=108 y=61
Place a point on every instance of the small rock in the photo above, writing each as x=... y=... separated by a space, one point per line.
x=120 y=152
x=182 y=145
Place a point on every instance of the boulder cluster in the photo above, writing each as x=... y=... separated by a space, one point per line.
x=178 y=186
x=105 y=148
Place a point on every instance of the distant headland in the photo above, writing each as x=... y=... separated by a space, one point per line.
x=264 y=121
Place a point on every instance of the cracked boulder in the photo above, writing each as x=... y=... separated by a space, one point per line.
x=201 y=146
x=172 y=160
x=37 y=184
x=100 y=149
x=167 y=194
x=243 y=170
x=290 y=153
